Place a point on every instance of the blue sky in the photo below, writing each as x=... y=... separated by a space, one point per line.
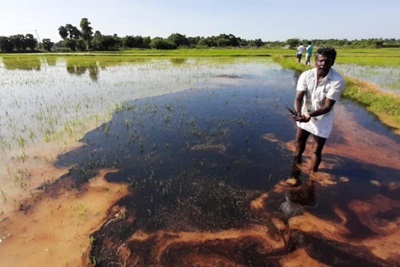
x=269 y=20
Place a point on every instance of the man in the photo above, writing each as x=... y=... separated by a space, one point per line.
x=309 y=51
x=300 y=51
x=317 y=91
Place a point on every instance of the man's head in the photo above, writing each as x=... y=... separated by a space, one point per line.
x=325 y=58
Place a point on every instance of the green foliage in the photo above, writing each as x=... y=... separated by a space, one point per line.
x=5 y=44
x=47 y=44
x=73 y=31
x=70 y=43
x=292 y=43
x=63 y=32
x=133 y=42
x=106 y=43
x=86 y=32
x=19 y=42
x=178 y=39
x=30 y=42
x=159 y=43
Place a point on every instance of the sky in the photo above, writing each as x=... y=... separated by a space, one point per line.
x=269 y=20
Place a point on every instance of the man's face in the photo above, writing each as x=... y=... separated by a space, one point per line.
x=323 y=63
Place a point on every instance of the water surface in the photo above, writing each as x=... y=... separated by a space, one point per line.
x=205 y=146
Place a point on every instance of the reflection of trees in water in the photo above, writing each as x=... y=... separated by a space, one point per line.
x=178 y=61
x=79 y=70
x=50 y=61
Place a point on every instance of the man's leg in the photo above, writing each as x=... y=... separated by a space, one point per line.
x=301 y=140
x=317 y=152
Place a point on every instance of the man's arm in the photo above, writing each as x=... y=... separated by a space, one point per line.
x=298 y=102
x=328 y=104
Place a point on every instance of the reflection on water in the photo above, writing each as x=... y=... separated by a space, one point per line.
x=206 y=151
x=79 y=70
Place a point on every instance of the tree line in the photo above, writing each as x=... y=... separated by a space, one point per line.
x=85 y=38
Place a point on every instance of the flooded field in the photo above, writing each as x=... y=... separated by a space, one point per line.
x=386 y=78
x=163 y=162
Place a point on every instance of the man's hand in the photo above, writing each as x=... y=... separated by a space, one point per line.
x=302 y=118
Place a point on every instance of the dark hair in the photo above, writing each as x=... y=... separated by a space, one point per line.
x=326 y=51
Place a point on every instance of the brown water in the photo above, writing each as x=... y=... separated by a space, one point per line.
x=196 y=178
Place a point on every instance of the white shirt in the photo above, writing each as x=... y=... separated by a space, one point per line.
x=301 y=49
x=330 y=87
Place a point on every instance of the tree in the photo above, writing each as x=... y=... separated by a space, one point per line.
x=258 y=42
x=160 y=43
x=73 y=31
x=30 y=41
x=106 y=43
x=294 y=42
x=233 y=40
x=178 y=39
x=146 y=42
x=86 y=32
x=222 y=42
x=97 y=33
x=5 y=44
x=70 y=43
x=63 y=32
x=132 y=41
x=47 y=44
x=18 y=41
x=193 y=41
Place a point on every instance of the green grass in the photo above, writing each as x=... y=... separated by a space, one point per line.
x=387 y=57
x=385 y=106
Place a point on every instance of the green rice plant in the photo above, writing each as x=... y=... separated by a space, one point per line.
x=289 y=62
x=21 y=141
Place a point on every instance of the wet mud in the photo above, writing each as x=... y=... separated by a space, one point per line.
x=201 y=178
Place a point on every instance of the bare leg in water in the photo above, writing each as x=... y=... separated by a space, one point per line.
x=301 y=141
x=317 y=152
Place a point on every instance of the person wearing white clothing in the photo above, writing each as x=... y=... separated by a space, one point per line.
x=300 y=51
x=316 y=93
